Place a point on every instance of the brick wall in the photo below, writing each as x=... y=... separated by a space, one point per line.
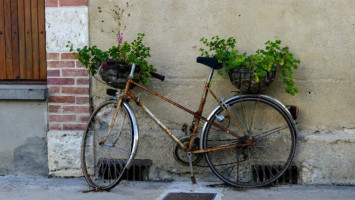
x=68 y=84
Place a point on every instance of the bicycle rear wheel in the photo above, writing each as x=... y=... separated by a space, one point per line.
x=106 y=154
x=267 y=125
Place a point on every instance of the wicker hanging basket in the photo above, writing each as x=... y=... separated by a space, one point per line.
x=115 y=73
x=244 y=80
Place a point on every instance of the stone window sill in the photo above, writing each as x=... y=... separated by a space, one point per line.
x=23 y=92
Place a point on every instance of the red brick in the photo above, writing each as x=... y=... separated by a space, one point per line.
x=53 y=108
x=61 y=99
x=82 y=100
x=53 y=73
x=53 y=90
x=76 y=109
x=73 y=2
x=74 y=126
x=61 y=64
x=62 y=118
x=67 y=56
x=75 y=90
x=75 y=72
x=60 y=81
x=52 y=56
x=84 y=118
x=56 y=127
x=79 y=65
x=82 y=81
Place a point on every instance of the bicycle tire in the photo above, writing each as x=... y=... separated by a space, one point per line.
x=272 y=128
x=104 y=162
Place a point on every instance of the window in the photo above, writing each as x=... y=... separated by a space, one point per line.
x=22 y=41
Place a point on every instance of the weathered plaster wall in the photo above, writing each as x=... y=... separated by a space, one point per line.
x=23 y=147
x=318 y=32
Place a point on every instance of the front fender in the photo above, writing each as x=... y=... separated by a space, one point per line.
x=135 y=133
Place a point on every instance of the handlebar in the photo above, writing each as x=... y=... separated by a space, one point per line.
x=132 y=70
x=155 y=75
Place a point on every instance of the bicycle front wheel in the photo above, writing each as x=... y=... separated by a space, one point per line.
x=106 y=152
x=272 y=135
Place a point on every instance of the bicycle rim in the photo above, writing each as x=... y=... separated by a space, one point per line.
x=105 y=153
x=259 y=164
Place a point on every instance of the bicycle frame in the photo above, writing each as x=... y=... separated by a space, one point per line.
x=198 y=115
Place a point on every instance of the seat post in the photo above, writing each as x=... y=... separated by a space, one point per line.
x=210 y=76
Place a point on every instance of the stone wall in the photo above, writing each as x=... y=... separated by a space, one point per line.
x=68 y=84
x=319 y=33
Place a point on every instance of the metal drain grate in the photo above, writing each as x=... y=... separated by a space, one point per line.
x=289 y=177
x=190 y=196
x=138 y=172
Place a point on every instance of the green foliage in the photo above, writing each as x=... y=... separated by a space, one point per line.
x=264 y=60
x=134 y=52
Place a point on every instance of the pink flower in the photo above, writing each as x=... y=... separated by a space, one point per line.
x=105 y=66
x=120 y=37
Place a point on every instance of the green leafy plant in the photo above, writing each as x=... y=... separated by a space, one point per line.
x=264 y=60
x=127 y=52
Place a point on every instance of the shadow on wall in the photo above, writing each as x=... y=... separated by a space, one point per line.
x=31 y=157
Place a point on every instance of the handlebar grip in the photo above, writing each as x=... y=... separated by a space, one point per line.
x=158 y=76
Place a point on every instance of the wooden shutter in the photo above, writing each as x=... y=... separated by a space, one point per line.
x=22 y=40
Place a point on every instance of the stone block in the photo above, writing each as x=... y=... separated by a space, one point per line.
x=64 y=153
x=23 y=92
x=327 y=158
x=65 y=24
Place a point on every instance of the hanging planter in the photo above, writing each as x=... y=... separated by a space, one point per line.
x=253 y=73
x=244 y=80
x=115 y=73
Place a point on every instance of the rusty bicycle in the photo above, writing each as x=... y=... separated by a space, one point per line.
x=248 y=140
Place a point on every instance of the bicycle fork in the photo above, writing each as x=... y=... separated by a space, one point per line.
x=113 y=121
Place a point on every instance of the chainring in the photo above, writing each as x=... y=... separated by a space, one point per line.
x=180 y=155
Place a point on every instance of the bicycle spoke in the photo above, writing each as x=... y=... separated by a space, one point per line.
x=270 y=152
x=117 y=149
x=267 y=133
x=119 y=132
x=107 y=145
x=245 y=117
x=252 y=119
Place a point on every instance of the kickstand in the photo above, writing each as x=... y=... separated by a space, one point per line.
x=193 y=179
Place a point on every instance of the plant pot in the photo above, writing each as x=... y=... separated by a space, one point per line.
x=115 y=73
x=244 y=80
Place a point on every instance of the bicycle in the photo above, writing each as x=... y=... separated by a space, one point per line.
x=241 y=139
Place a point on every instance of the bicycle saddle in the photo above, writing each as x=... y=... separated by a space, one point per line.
x=211 y=62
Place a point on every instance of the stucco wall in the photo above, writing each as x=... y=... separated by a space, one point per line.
x=319 y=32
x=23 y=146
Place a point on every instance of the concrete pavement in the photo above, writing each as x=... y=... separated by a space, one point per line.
x=17 y=187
